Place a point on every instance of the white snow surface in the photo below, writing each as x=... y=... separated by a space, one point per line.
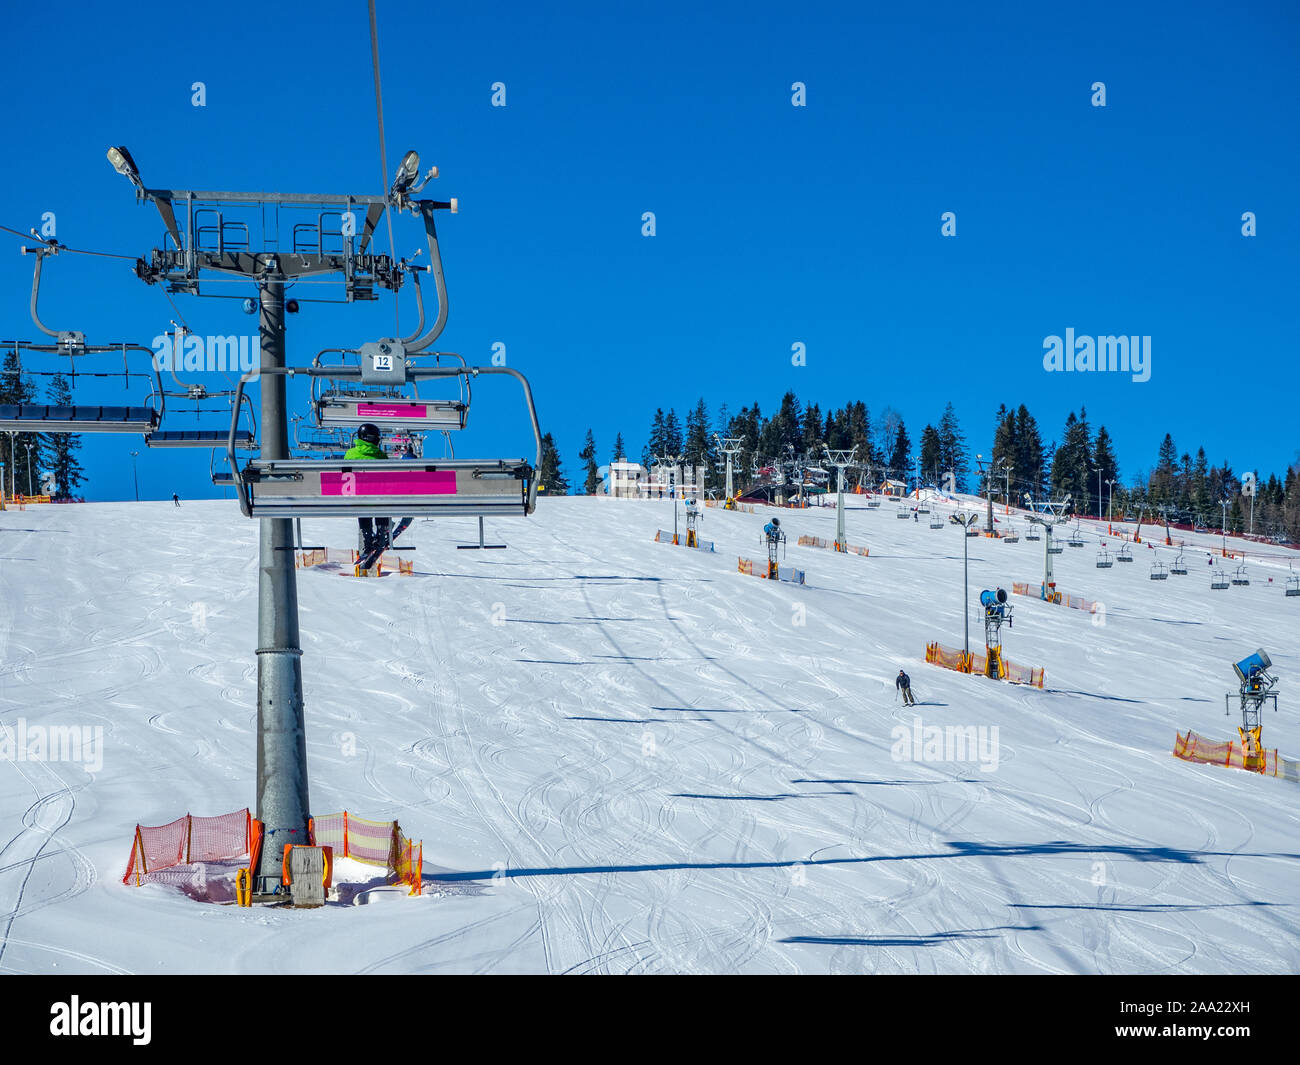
x=625 y=756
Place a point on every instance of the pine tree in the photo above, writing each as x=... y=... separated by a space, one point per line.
x=932 y=466
x=900 y=460
x=1031 y=460
x=952 y=448
x=620 y=452
x=1103 y=458
x=62 y=448
x=672 y=437
x=655 y=442
x=550 y=475
x=588 y=455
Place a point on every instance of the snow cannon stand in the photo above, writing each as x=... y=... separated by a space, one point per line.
x=1256 y=689
x=772 y=570
x=991 y=663
x=692 y=537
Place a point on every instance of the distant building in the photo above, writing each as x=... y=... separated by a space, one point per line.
x=631 y=480
x=626 y=479
x=895 y=489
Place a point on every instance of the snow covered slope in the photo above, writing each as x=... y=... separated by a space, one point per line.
x=626 y=756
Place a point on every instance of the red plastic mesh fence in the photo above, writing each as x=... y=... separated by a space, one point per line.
x=371 y=842
x=1194 y=748
x=187 y=839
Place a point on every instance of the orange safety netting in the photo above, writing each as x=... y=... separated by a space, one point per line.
x=188 y=839
x=1194 y=748
x=747 y=566
x=371 y=842
x=950 y=658
x=1074 y=602
x=319 y=556
x=821 y=541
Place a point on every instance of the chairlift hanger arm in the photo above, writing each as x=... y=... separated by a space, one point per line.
x=426 y=209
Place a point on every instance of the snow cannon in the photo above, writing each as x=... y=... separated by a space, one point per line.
x=994 y=602
x=1258 y=662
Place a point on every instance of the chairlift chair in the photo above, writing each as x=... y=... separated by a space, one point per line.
x=1179 y=566
x=1240 y=577
x=1293 y=584
x=1218 y=579
x=295 y=488
x=1125 y=553
x=1056 y=548
x=1105 y=560
x=1011 y=536
x=1075 y=540
x=1159 y=572
x=1033 y=533
x=936 y=520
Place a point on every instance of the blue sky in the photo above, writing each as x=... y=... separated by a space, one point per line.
x=775 y=224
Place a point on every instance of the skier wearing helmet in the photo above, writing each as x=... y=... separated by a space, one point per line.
x=366 y=446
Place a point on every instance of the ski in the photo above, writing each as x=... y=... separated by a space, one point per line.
x=369 y=558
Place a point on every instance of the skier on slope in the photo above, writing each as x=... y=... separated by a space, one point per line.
x=904 y=684
x=366 y=446
x=176 y=500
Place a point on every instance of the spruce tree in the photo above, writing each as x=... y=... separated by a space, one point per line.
x=550 y=475
x=62 y=448
x=588 y=455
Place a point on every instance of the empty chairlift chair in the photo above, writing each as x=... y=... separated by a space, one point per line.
x=1055 y=547
x=1105 y=560
x=1033 y=533
x=936 y=520
x=1218 y=579
x=1075 y=540
x=1159 y=572
x=1293 y=584
x=1240 y=577
x=1179 y=566
x=1125 y=554
x=1011 y=536
x=35 y=418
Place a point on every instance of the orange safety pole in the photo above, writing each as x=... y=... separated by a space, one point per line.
x=345 y=834
x=189 y=832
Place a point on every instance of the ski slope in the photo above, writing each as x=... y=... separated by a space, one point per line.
x=625 y=756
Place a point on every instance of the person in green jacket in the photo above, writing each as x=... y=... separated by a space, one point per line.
x=366 y=446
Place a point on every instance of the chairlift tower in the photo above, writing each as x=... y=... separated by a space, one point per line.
x=1048 y=514
x=841 y=460
x=730 y=446
x=203 y=241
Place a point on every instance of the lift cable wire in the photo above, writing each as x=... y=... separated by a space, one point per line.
x=383 y=154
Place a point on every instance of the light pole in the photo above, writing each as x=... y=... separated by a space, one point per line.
x=29 y=469
x=135 y=476
x=13 y=463
x=965 y=521
x=1110 y=499
x=1224 y=504
x=1006 y=489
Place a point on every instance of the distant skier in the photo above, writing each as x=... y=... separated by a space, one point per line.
x=904 y=684
x=914 y=517
x=364 y=447
x=176 y=500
